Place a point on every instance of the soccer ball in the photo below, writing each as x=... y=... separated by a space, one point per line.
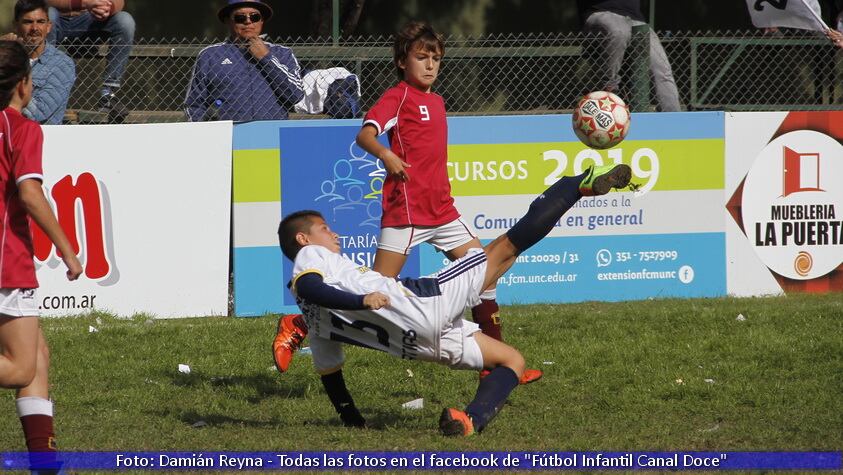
x=601 y=120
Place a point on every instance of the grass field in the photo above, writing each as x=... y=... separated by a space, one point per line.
x=650 y=375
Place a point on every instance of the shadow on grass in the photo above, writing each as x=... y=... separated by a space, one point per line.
x=376 y=419
x=198 y=420
x=260 y=385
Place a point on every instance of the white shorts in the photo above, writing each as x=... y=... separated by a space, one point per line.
x=445 y=237
x=414 y=326
x=461 y=283
x=18 y=303
x=457 y=347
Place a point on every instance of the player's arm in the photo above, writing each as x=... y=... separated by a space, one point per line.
x=32 y=197
x=367 y=139
x=312 y=288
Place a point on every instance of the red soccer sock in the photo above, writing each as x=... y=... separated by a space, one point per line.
x=36 y=419
x=487 y=315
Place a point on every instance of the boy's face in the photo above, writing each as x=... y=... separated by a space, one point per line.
x=319 y=234
x=421 y=67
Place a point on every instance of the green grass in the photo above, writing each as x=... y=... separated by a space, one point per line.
x=612 y=385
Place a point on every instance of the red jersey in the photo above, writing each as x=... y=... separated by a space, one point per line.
x=20 y=159
x=418 y=134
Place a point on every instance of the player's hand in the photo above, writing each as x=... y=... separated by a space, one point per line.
x=10 y=37
x=257 y=47
x=395 y=166
x=74 y=267
x=375 y=301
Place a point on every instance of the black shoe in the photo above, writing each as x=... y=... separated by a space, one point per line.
x=116 y=111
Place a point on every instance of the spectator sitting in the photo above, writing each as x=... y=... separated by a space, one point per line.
x=244 y=78
x=98 y=20
x=53 y=72
x=615 y=19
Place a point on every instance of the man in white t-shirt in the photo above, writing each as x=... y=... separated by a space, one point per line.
x=344 y=302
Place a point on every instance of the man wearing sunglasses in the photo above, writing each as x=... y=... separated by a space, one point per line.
x=244 y=78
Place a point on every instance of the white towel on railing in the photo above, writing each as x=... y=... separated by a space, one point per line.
x=316 y=85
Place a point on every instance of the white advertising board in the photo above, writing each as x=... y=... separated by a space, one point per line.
x=148 y=208
x=784 y=201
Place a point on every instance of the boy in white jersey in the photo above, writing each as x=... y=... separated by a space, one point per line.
x=421 y=318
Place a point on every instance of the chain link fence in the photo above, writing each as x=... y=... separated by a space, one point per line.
x=508 y=74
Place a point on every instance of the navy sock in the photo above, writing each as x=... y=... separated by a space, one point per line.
x=334 y=384
x=491 y=394
x=545 y=211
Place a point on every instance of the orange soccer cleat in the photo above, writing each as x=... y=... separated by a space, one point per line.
x=454 y=422
x=291 y=332
x=529 y=376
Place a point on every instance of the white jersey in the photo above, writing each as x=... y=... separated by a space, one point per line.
x=422 y=321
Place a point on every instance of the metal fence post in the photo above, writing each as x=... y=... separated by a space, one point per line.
x=335 y=22
x=640 y=62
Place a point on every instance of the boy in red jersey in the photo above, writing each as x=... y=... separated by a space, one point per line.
x=24 y=356
x=417 y=202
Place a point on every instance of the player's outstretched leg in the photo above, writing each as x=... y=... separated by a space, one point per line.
x=546 y=210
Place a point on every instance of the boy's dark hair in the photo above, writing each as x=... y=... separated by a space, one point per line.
x=292 y=224
x=14 y=67
x=22 y=7
x=412 y=32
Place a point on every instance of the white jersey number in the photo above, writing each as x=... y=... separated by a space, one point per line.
x=425 y=114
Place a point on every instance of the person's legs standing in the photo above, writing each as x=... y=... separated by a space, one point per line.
x=120 y=29
x=663 y=79
x=617 y=30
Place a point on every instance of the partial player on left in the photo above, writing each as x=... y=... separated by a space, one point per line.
x=24 y=356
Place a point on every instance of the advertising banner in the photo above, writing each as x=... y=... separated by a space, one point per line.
x=148 y=207
x=666 y=239
x=784 y=202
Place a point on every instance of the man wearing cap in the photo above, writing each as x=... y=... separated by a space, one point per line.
x=244 y=78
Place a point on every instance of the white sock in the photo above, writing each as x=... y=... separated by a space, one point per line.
x=29 y=406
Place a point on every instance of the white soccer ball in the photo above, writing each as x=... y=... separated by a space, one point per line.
x=601 y=120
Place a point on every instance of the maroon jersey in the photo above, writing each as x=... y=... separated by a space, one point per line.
x=418 y=134
x=20 y=159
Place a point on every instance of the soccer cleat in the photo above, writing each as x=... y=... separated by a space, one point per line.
x=351 y=417
x=454 y=422
x=291 y=332
x=601 y=180
x=529 y=376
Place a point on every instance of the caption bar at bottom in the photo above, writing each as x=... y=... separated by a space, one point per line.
x=525 y=461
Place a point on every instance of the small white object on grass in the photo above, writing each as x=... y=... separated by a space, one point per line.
x=199 y=424
x=741 y=318
x=709 y=381
x=92 y=329
x=183 y=368
x=548 y=362
x=414 y=404
x=409 y=372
